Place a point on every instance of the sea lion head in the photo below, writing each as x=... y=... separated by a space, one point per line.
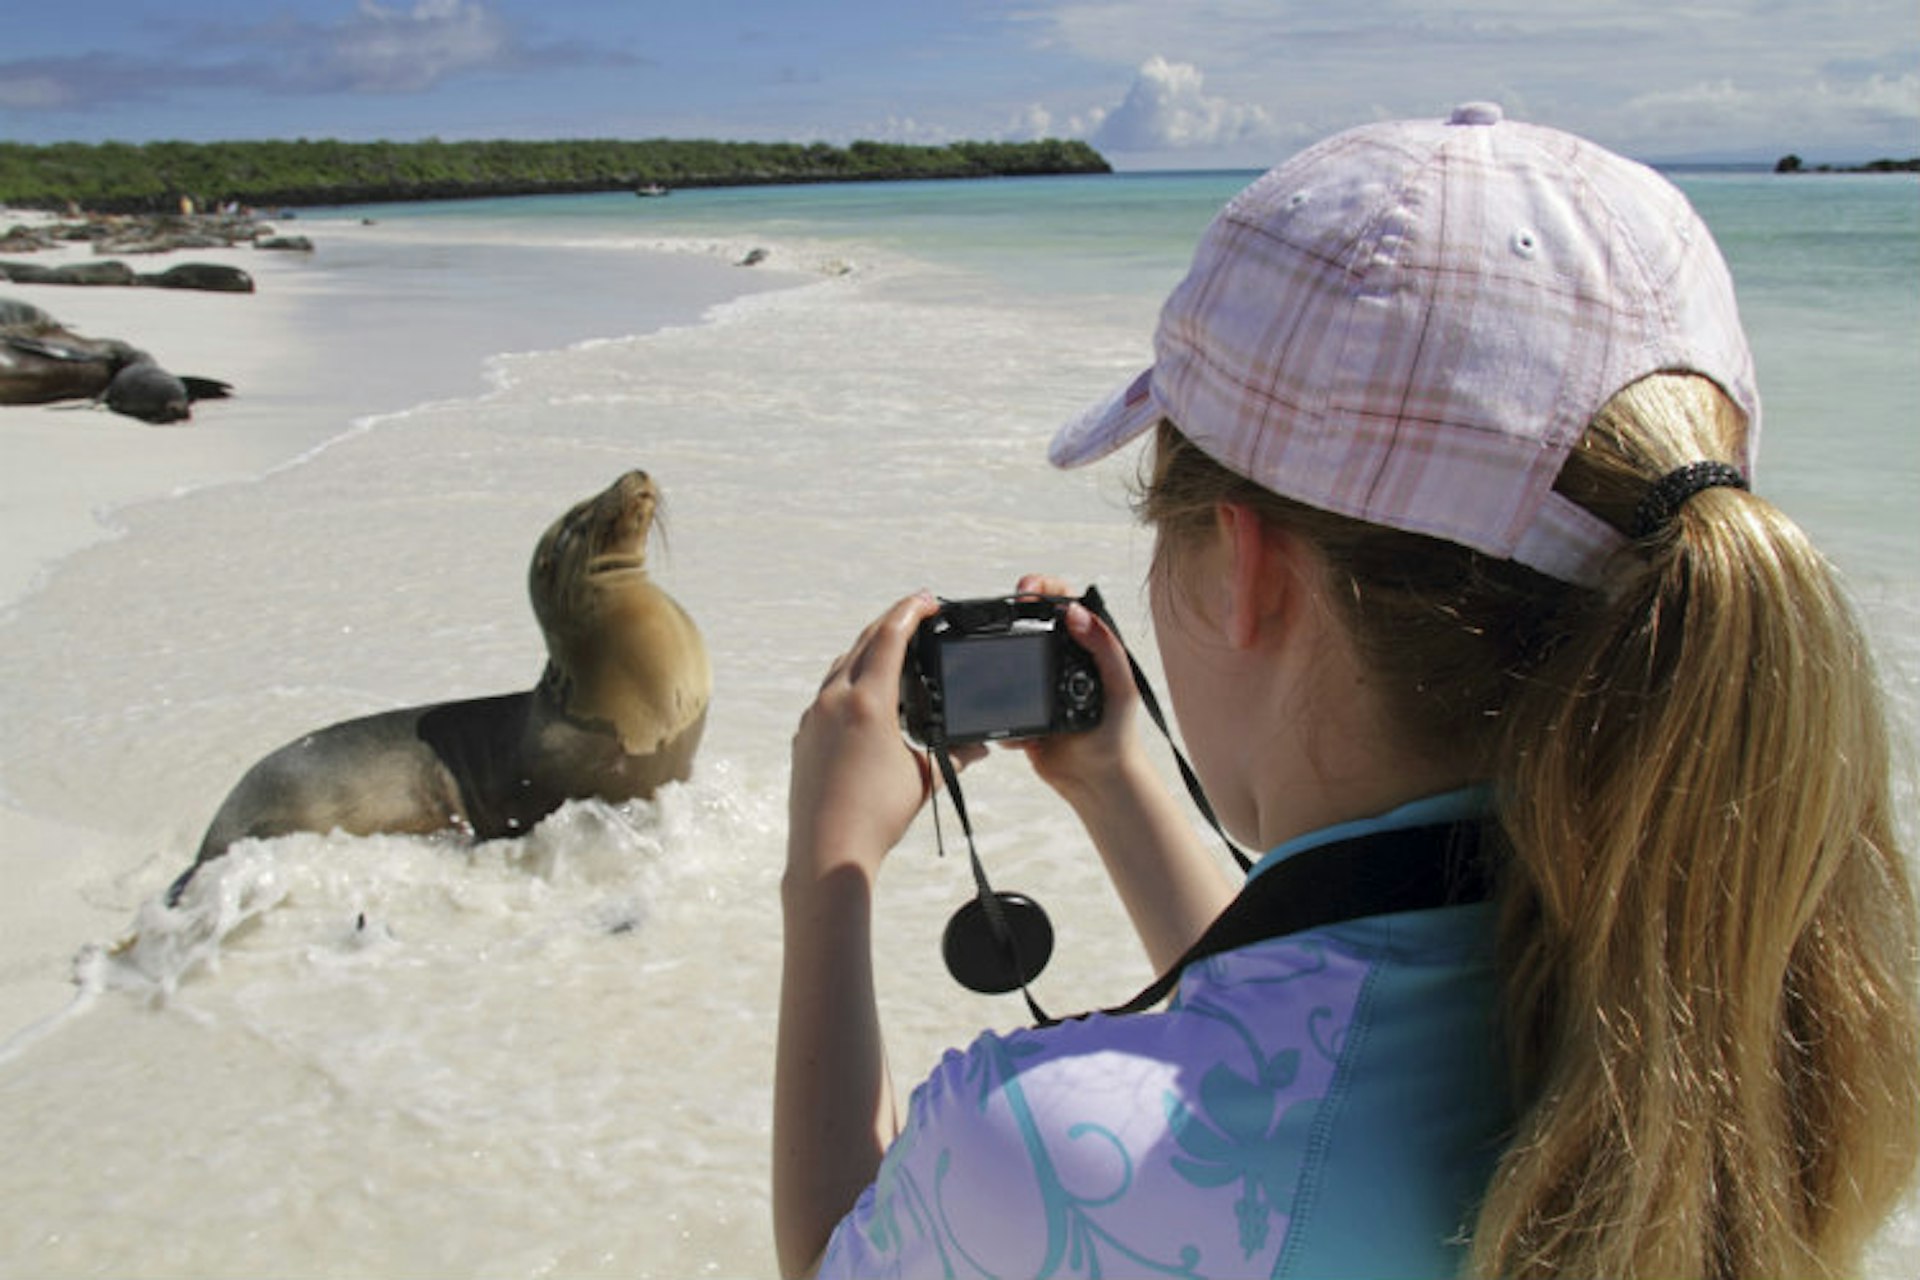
x=620 y=651
x=592 y=550
x=24 y=316
x=142 y=389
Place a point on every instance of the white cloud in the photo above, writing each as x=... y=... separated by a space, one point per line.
x=24 y=90
x=911 y=132
x=375 y=48
x=1641 y=76
x=1806 y=114
x=65 y=84
x=386 y=50
x=380 y=49
x=1036 y=121
x=1168 y=109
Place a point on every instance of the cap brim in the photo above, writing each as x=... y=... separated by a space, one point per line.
x=1106 y=426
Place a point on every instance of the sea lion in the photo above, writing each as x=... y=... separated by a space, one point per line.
x=214 y=277
x=75 y=273
x=142 y=389
x=618 y=711
x=15 y=314
x=41 y=362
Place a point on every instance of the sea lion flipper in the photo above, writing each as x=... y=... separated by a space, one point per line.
x=205 y=388
x=52 y=350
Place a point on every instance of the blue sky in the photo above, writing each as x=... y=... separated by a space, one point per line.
x=1152 y=83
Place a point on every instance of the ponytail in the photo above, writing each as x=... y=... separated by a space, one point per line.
x=1708 y=930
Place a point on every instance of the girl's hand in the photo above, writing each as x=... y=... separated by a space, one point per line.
x=856 y=784
x=1172 y=886
x=1075 y=764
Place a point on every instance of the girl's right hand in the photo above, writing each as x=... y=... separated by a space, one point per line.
x=1079 y=764
x=1172 y=886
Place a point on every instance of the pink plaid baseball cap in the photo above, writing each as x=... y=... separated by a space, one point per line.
x=1411 y=323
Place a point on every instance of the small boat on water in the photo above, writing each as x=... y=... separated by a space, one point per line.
x=650 y=189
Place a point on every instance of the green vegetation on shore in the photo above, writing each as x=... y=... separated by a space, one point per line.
x=118 y=177
x=1794 y=164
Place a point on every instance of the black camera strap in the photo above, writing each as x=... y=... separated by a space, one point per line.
x=1001 y=941
x=1098 y=605
x=1382 y=873
x=984 y=950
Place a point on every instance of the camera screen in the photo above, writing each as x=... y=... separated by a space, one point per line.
x=997 y=685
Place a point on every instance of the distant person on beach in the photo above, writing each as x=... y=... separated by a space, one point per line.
x=1451 y=426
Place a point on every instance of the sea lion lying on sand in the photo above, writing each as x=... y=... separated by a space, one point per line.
x=41 y=362
x=211 y=276
x=618 y=711
x=72 y=273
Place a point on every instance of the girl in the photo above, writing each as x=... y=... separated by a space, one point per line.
x=1451 y=430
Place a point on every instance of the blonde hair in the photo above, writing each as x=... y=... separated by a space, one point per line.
x=1708 y=929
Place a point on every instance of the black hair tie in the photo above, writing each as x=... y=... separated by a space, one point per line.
x=1670 y=492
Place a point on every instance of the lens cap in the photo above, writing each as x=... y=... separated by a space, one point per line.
x=981 y=960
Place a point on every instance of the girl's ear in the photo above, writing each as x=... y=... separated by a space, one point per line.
x=1260 y=573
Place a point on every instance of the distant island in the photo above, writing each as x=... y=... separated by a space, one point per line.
x=1793 y=164
x=118 y=177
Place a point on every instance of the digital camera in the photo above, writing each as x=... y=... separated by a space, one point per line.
x=997 y=669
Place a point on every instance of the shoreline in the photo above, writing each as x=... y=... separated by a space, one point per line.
x=312 y=358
